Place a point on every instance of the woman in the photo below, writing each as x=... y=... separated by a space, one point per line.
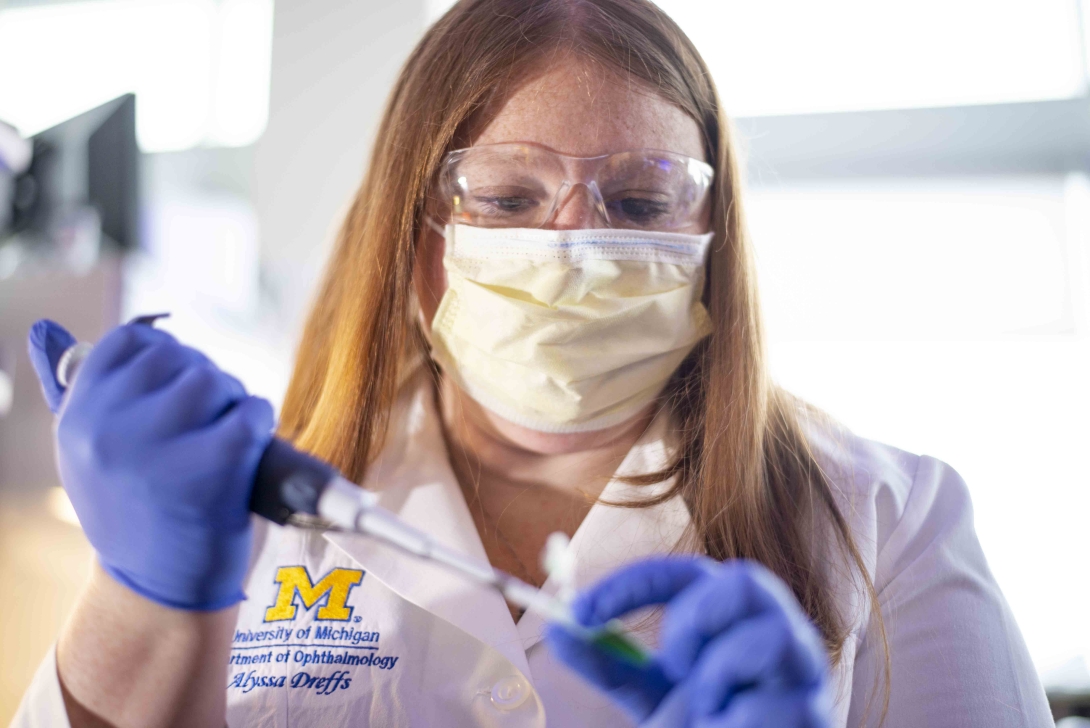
x=540 y=316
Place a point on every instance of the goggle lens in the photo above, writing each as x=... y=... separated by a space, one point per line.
x=515 y=185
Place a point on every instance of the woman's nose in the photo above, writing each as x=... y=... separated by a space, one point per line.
x=578 y=209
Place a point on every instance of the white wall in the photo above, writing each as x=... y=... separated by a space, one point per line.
x=333 y=65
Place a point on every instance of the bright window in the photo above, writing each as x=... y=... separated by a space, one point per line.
x=913 y=259
x=794 y=56
x=200 y=68
x=950 y=318
x=797 y=56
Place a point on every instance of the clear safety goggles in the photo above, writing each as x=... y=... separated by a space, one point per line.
x=523 y=185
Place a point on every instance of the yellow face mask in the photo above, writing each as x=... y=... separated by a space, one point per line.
x=568 y=330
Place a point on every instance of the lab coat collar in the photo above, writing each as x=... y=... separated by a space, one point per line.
x=613 y=535
x=414 y=479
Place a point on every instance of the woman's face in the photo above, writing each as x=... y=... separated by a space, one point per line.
x=576 y=109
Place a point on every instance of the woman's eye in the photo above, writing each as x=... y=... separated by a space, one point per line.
x=504 y=205
x=639 y=209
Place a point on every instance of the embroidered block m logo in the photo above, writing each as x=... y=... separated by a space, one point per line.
x=295 y=580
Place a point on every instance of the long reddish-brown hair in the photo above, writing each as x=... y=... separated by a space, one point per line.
x=754 y=488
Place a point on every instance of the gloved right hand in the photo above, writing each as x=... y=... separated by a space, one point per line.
x=157 y=449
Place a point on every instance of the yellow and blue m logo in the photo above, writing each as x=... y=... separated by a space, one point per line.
x=296 y=580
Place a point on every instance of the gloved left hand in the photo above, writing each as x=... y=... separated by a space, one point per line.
x=157 y=449
x=736 y=650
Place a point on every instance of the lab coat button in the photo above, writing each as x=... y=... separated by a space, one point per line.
x=509 y=693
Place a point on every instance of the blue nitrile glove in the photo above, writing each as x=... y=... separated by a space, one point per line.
x=735 y=649
x=46 y=344
x=157 y=449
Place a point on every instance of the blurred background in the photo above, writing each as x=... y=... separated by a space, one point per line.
x=919 y=178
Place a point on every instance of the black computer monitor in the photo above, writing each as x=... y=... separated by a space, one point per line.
x=91 y=159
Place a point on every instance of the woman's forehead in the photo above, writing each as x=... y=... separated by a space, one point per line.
x=578 y=108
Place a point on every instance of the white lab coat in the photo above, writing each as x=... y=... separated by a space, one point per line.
x=338 y=630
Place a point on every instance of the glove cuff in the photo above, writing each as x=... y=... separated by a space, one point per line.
x=212 y=604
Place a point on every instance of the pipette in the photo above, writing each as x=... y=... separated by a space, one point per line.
x=292 y=487
x=348 y=507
